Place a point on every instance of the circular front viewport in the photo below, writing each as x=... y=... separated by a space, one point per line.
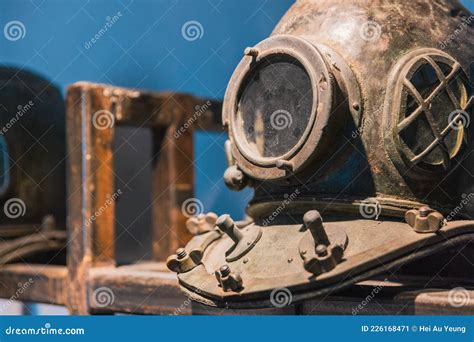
x=274 y=107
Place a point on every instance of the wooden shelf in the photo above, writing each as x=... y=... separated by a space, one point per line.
x=140 y=289
x=34 y=283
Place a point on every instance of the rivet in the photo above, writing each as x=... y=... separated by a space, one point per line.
x=250 y=51
x=356 y=106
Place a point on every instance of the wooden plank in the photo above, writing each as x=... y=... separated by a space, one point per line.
x=136 y=290
x=33 y=283
x=457 y=301
x=90 y=186
x=404 y=296
x=150 y=289
x=156 y=109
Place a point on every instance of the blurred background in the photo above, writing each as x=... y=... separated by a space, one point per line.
x=144 y=47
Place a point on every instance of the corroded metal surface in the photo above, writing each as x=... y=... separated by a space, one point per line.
x=393 y=31
x=32 y=125
x=356 y=113
x=276 y=263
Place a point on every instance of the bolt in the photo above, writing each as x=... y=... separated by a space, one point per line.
x=226 y=224
x=285 y=165
x=250 y=51
x=290 y=260
x=246 y=260
x=356 y=106
x=224 y=270
x=425 y=211
x=321 y=250
x=314 y=223
x=181 y=253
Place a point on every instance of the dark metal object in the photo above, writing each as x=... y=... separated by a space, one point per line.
x=32 y=149
x=350 y=111
x=32 y=170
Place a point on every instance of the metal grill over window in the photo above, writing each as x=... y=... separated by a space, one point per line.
x=434 y=112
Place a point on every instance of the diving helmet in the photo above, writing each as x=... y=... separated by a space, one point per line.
x=352 y=125
x=32 y=167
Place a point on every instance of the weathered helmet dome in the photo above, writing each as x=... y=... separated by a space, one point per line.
x=383 y=109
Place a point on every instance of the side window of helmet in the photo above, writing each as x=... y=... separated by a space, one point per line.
x=430 y=111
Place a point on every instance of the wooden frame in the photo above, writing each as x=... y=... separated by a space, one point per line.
x=90 y=171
